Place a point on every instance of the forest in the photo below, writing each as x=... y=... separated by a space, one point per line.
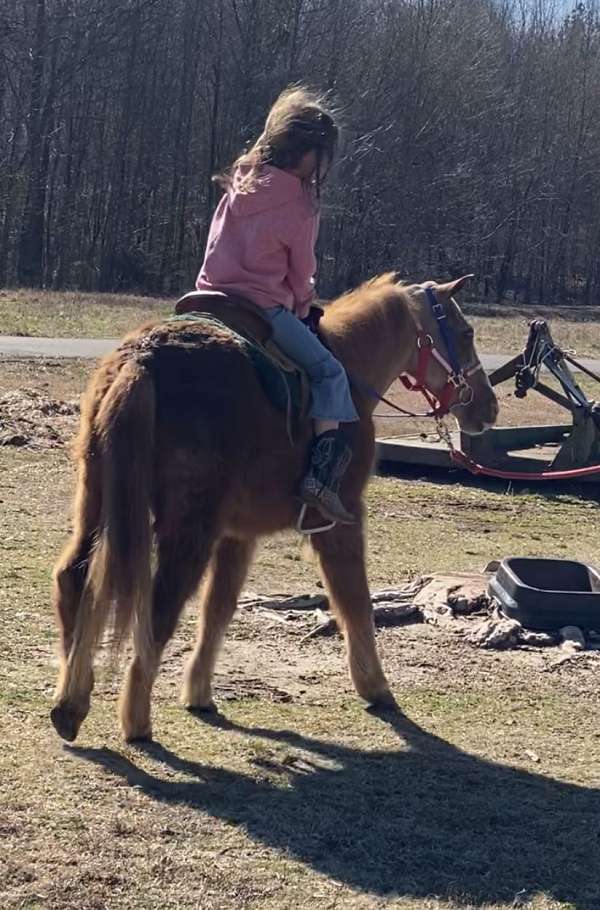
x=471 y=137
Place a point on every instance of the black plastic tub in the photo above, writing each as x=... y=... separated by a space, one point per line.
x=547 y=594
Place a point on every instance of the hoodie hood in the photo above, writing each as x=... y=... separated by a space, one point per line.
x=273 y=189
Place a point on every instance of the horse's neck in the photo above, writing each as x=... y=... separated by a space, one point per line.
x=375 y=344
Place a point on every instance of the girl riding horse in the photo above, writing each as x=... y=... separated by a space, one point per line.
x=261 y=246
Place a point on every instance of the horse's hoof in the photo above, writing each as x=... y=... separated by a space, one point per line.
x=66 y=722
x=133 y=738
x=383 y=702
x=136 y=730
x=199 y=710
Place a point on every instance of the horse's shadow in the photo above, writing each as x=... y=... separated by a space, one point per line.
x=427 y=820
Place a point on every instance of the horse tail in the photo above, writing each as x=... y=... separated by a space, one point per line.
x=121 y=571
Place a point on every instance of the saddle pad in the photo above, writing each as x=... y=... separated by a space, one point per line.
x=240 y=314
x=285 y=387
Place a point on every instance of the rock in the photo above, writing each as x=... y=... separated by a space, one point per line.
x=392 y=614
x=398 y=595
x=537 y=639
x=384 y=615
x=14 y=439
x=573 y=638
x=447 y=596
x=498 y=632
x=469 y=598
x=306 y=602
x=326 y=625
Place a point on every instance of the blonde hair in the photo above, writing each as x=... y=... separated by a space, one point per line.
x=298 y=122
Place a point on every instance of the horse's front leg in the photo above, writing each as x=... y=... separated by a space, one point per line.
x=342 y=562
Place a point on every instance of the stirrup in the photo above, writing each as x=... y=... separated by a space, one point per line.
x=306 y=532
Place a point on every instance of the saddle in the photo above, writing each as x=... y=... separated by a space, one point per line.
x=284 y=381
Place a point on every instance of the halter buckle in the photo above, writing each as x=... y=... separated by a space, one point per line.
x=463 y=399
x=426 y=340
x=465 y=392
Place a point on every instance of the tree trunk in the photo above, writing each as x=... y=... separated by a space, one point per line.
x=31 y=242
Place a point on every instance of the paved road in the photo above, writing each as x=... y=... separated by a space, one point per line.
x=88 y=348
x=92 y=348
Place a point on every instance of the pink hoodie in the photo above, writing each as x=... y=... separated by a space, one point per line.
x=261 y=245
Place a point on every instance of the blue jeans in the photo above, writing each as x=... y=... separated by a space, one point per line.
x=330 y=389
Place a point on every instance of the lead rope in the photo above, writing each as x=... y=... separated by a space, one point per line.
x=462 y=460
x=444 y=434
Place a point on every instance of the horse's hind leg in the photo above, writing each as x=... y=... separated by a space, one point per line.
x=342 y=561
x=185 y=543
x=75 y=681
x=227 y=573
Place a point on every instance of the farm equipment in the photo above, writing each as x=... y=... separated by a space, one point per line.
x=569 y=451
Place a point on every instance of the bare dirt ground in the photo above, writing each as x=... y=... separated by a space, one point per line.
x=483 y=794
x=64 y=381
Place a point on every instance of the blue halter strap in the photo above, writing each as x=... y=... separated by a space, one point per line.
x=446 y=332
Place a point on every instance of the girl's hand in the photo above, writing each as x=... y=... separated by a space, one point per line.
x=313 y=318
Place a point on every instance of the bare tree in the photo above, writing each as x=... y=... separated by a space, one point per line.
x=471 y=136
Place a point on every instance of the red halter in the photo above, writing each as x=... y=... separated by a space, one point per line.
x=456 y=381
x=456 y=376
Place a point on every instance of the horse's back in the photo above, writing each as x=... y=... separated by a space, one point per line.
x=214 y=426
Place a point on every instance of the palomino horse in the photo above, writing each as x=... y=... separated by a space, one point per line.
x=175 y=426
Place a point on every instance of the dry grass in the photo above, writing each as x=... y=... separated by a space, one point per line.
x=298 y=798
x=506 y=333
x=76 y=314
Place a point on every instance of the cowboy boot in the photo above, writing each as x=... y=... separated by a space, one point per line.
x=329 y=459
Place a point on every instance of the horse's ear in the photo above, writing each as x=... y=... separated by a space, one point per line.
x=453 y=287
